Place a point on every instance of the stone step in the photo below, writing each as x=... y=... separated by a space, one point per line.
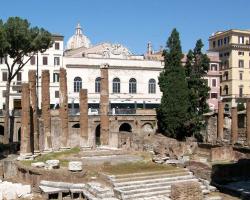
x=151 y=189
x=153 y=180
x=151 y=177
x=147 y=195
x=143 y=186
x=147 y=173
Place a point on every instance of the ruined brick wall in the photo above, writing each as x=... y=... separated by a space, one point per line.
x=224 y=153
x=84 y=116
x=211 y=129
x=63 y=112
x=25 y=120
x=33 y=107
x=46 y=118
x=104 y=105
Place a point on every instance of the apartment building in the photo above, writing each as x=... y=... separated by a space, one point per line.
x=234 y=52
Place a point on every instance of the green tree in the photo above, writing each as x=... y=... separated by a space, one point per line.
x=18 y=43
x=197 y=66
x=172 y=112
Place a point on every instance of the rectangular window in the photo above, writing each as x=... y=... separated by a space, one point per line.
x=214 y=67
x=56 y=94
x=241 y=76
x=4 y=76
x=214 y=83
x=225 y=40
x=214 y=95
x=241 y=63
x=33 y=60
x=19 y=78
x=214 y=44
x=241 y=53
x=57 y=45
x=56 y=60
x=4 y=93
x=241 y=39
x=55 y=77
x=45 y=60
x=240 y=92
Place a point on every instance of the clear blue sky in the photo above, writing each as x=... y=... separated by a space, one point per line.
x=133 y=22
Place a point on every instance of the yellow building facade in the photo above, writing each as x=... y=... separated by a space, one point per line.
x=234 y=52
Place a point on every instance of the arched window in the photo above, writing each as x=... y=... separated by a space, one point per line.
x=226 y=90
x=116 y=85
x=151 y=86
x=97 y=85
x=132 y=86
x=77 y=84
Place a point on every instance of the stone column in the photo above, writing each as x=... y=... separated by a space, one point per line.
x=234 y=125
x=33 y=107
x=220 y=132
x=84 y=115
x=104 y=105
x=248 y=122
x=25 y=148
x=63 y=112
x=46 y=110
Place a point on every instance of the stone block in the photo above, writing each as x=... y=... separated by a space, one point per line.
x=52 y=164
x=38 y=164
x=186 y=190
x=75 y=166
x=224 y=153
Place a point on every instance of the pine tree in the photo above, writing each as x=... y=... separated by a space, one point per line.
x=197 y=66
x=172 y=112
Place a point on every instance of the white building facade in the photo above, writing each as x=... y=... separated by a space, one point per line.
x=50 y=60
x=133 y=79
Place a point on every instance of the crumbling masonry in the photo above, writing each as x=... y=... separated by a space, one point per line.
x=46 y=109
x=104 y=105
x=63 y=112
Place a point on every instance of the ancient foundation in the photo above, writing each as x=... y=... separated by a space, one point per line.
x=234 y=125
x=63 y=112
x=84 y=116
x=220 y=121
x=33 y=107
x=248 y=122
x=25 y=148
x=46 y=110
x=104 y=105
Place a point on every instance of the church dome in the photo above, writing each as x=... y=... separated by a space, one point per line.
x=78 y=39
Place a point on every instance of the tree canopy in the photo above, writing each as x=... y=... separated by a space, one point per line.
x=19 y=42
x=197 y=66
x=172 y=113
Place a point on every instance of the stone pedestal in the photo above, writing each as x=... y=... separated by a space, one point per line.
x=220 y=133
x=234 y=125
x=33 y=107
x=248 y=123
x=63 y=112
x=104 y=105
x=189 y=190
x=75 y=166
x=84 y=116
x=46 y=110
x=25 y=148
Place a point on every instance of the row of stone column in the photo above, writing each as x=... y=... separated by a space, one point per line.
x=234 y=123
x=30 y=125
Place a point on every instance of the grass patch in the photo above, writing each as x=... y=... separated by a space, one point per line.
x=126 y=168
x=54 y=156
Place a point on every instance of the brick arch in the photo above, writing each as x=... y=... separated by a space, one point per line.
x=126 y=127
x=76 y=125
